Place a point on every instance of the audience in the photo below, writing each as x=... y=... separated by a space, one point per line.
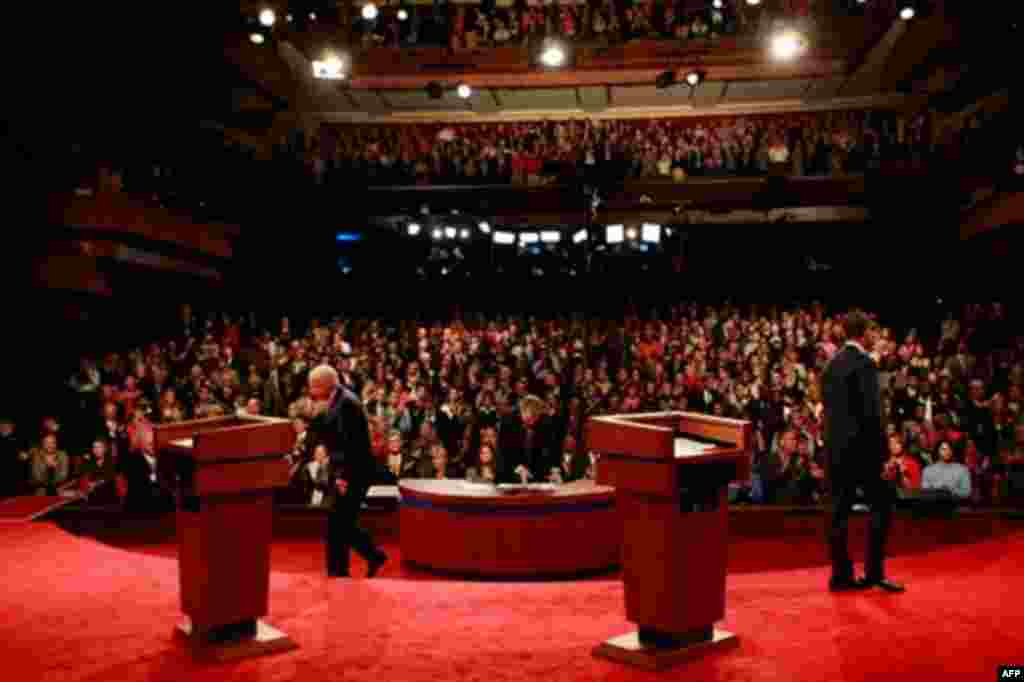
x=505 y=400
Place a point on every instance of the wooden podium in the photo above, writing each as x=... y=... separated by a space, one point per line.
x=671 y=472
x=225 y=470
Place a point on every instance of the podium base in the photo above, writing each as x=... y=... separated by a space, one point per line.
x=251 y=642
x=629 y=649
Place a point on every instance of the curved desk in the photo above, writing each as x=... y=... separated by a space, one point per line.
x=462 y=528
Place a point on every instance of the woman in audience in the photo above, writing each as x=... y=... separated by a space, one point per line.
x=486 y=468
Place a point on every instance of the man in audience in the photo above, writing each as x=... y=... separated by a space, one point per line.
x=525 y=444
x=50 y=467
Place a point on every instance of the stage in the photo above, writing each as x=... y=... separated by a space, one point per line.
x=102 y=607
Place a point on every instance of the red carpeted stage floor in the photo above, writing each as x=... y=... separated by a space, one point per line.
x=76 y=608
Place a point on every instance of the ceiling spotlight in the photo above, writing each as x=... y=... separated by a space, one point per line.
x=257 y=38
x=485 y=227
x=402 y=15
x=464 y=233
x=437 y=233
x=464 y=91
x=579 y=237
x=267 y=17
x=289 y=18
x=717 y=4
x=450 y=232
x=369 y=11
x=312 y=16
x=694 y=78
x=331 y=68
x=787 y=45
x=753 y=3
x=907 y=13
x=414 y=229
x=553 y=55
x=631 y=233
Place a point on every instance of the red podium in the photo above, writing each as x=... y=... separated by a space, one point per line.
x=671 y=473
x=225 y=470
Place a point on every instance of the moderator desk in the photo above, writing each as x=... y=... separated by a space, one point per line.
x=462 y=528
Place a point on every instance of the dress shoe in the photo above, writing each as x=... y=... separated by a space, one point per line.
x=847 y=585
x=887 y=585
x=375 y=564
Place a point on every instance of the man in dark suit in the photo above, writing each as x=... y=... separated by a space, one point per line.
x=344 y=430
x=527 y=451
x=857 y=451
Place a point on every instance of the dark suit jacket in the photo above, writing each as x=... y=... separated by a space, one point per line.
x=854 y=433
x=539 y=458
x=346 y=433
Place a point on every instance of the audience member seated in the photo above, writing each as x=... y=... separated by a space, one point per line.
x=573 y=463
x=947 y=475
x=314 y=479
x=98 y=475
x=51 y=467
x=145 y=485
x=904 y=469
x=485 y=469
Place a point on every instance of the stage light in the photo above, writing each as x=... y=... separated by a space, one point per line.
x=257 y=38
x=369 y=11
x=464 y=91
x=787 y=45
x=413 y=229
x=614 y=234
x=753 y=3
x=694 y=78
x=402 y=15
x=550 y=236
x=485 y=227
x=450 y=232
x=504 y=238
x=907 y=13
x=444 y=271
x=330 y=68
x=651 y=232
x=631 y=233
x=464 y=233
x=553 y=55
x=579 y=237
x=267 y=17
x=528 y=238
x=437 y=233
x=717 y=4
x=289 y=18
x=312 y=16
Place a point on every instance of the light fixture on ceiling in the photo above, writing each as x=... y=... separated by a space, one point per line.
x=485 y=227
x=464 y=233
x=403 y=14
x=331 y=68
x=289 y=18
x=553 y=54
x=907 y=13
x=257 y=38
x=694 y=78
x=413 y=229
x=631 y=233
x=312 y=16
x=437 y=233
x=788 y=44
x=370 y=11
x=267 y=17
x=717 y=4
x=464 y=91
x=753 y=3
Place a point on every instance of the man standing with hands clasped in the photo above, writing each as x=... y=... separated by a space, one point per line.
x=857 y=451
x=343 y=429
